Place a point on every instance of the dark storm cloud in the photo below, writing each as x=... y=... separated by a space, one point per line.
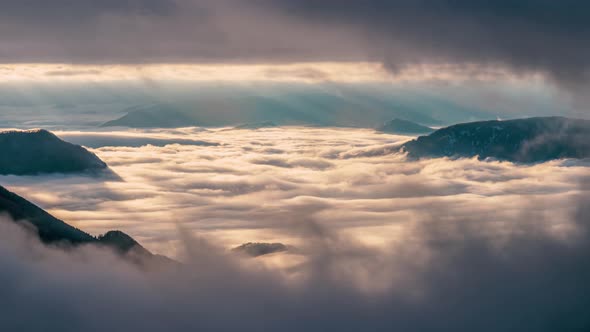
x=81 y=9
x=544 y=35
x=529 y=35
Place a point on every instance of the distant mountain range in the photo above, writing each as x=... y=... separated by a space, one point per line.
x=523 y=140
x=153 y=116
x=295 y=105
x=55 y=231
x=404 y=127
x=35 y=152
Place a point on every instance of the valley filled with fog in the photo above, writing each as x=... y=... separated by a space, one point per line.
x=370 y=239
x=235 y=186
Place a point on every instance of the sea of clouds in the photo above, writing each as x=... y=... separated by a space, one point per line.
x=382 y=243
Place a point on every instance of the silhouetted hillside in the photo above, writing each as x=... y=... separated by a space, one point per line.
x=122 y=242
x=50 y=229
x=39 y=151
x=54 y=231
x=522 y=140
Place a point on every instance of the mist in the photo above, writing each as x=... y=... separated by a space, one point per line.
x=443 y=272
x=357 y=176
x=86 y=106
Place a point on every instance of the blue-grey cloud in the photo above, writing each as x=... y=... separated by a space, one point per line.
x=81 y=10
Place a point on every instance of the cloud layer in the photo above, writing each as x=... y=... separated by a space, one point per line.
x=502 y=250
x=526 y=36
x=241 y=188
x=381 y=243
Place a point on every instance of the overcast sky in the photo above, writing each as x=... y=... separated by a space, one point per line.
x=540 y=35
x=462 y=42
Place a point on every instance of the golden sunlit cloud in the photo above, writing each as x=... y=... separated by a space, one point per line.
x=346 y=72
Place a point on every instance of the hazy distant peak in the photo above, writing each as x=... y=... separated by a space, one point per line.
x=153 y=116
x=257 y=125
x=401 y=126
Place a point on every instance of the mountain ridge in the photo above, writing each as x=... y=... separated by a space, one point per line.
x=293 y=106
x=38 y=151
x=527 y=140
x=54 y=231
